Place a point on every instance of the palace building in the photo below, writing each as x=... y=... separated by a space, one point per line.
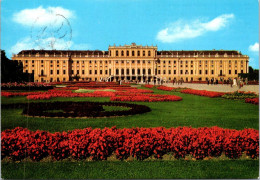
x=132 y=62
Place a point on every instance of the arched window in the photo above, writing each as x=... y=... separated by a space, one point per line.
x=138 y=53
x=133 y=53
x=149 y=53
x=149 y=71
x=138 y=71
x=133 y=71
x=122 y=53
x=127 y=53
x=143 y=53
x=122 y=72
x=143 y=71
x=116 y=52
x=117 y=71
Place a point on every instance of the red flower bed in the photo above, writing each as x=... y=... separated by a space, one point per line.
x=165 y=88
x=140 y=143
x=146 y=98
x=203 y=93
x=148 y=86
x=252 y=100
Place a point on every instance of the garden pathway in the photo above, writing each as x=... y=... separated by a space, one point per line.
x=218 y=87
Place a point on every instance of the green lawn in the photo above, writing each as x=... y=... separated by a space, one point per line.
x=133 y=170
x=194 y=111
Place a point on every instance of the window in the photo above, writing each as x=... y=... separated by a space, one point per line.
x=77 y=71
x=199 y=71
x=138 y=53
x=90 y=71
x=133 y=71
x=64 y=62
x=143 y=53
x=164 y=72
x=58 y=79
x=235 y=62
x=186 y=62
x=109 y=53
x=174 y=72
x=101 y=72
x=242 y=71
x=122 y=53
x=212 y=71
x=181 y=62
x=206 y=71
x=174 y=62
x=138 y=61
x=64 y=71
x=159 y=71
x=51 y=72
x=191 y=62
x=33 y=71
x=229 y=62
x=169 y=72
x=51 y=79
x=133 y=53
x=163 y=62
x=26 y=61
x=90 y=62
x=26 y=71
x=191 y=71
x=235 y=71
x=95 y=71
x=41 y=61
x=229 y=71
x=116 y=62
x=33 y=61
x=149 y=53
x=122 y=72
x=58 y=61
x=133 y=62
x=181 y=72
x=169 y=62
x=143 y=71
x=138 y=71
x=42 y=72
x=64 y=79
x=186 y=72
x=117 y=71
x=143 y=61
x=72 y=72
x=105 y=71
x=122 y=61
x=206 y=62
x=116 y=53
x=83 y=72
x=127 y=53
x=127 y=71
x=51 y=62
x=149 y=71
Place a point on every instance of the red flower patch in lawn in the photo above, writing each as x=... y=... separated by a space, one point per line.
x=141 y=143
x=211 y=94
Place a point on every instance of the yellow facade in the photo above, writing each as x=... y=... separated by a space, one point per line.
x=132 y=62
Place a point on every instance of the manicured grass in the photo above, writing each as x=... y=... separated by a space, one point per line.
x=180 y=169
x=194 y=111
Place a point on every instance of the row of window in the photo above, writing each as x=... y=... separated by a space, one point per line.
x=138 y=61
x=127 y=53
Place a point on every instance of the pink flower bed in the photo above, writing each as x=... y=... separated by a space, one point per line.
x=211 y=94
x=141 y=143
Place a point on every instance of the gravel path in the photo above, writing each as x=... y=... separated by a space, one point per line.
x=218 y=88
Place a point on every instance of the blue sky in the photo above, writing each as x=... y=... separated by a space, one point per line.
x=95 y=24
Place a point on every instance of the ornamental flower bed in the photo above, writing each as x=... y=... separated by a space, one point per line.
x=26 y=86
x=149 y=86
x=239 y=95
x=211 y=94
x=141 y=143
x=252 y=100
x=165 y=88
x=146 y=98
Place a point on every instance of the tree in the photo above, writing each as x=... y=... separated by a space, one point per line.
x=12 y=71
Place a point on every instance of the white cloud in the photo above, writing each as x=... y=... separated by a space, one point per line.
x=254 y=47
x=42 y=16
x=180 y=30
x=47 y=44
